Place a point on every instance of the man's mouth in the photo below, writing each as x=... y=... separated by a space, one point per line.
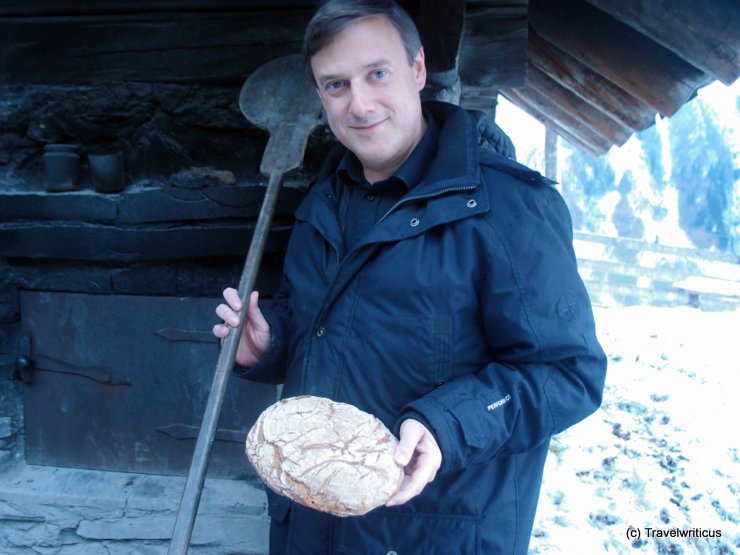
x=364 y=126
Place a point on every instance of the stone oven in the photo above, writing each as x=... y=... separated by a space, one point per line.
x=108 y=285
x=106 y=305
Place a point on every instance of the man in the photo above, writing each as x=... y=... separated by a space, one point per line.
x=432 y=283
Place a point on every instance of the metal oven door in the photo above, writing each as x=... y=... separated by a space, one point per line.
x=121 y=383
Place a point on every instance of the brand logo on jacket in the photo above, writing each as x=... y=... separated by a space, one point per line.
x=497 y=404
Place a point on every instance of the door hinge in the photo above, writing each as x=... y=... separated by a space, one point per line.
x=23 y=371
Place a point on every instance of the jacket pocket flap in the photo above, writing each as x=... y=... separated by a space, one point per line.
x=382 y=532
x=471 y=417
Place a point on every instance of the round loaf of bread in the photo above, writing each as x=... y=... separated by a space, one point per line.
x=325 y=455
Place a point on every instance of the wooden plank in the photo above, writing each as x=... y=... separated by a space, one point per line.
x=632 y=270
x=709 y=286
x=705 y=34
x=632 y=294
x=28 y=8
x=622 y=55
x=549 y=109
x=608 y=293
x=671 y=276
x=587 y=114
x=639 y=245
x=494 y=47
x=589 y=85
x=175 y=47
x=513 y=4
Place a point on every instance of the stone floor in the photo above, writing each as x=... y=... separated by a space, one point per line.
x=63 y=511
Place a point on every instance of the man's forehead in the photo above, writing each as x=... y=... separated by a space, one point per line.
x=360 y=49
x=367 y=29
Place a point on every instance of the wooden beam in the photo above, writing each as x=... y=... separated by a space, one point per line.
x=29 y=8
x=552 y=110
x=84 y=241
x=172 y=47
x=589 y=85
x=440 y=25
x=572 y=139
x=625 y=57
x=479 y=98
x=147 y=205
x=681 y=253
x=494 y=46
x=578 y=108
x=705 y=34
x=594 y=146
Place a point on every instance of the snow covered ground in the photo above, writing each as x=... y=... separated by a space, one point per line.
x=661 y=457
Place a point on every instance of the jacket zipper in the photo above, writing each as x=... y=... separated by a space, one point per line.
x=427 y=196
x=390 y=210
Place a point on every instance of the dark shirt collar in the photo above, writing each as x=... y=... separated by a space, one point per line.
x=410 y=173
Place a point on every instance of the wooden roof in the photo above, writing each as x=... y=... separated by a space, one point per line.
x=594 y=70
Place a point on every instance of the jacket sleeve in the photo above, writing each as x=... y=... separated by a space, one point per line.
x=271 y=367
x=546 y=370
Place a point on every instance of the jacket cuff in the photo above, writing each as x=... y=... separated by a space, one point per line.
x=464 y=425
x=438 y=421
x=412 y=415
x=270 y=366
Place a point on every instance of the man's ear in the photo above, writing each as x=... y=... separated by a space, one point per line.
x=420 y=69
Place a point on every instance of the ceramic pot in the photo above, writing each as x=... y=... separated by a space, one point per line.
x=61 y=167
x=106 y=171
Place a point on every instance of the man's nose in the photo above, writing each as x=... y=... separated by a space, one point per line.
x=362 y=100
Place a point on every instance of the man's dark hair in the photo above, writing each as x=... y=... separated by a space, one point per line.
x=333 y=16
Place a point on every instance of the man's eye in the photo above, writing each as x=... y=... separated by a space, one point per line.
x=334 y=86
x=380 y=73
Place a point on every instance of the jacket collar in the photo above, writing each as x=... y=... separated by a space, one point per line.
x=455 y=167
x=411 y=172
x=458 y=162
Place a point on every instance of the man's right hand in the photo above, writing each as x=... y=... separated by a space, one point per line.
x=256 y=336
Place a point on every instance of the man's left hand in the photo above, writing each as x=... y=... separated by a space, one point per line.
x=420 y=457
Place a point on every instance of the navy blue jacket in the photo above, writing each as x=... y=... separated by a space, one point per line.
x=462 y=308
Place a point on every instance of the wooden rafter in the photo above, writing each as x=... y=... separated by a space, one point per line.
x=620 y=54
x=705 y=34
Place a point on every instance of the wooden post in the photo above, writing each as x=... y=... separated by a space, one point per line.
x=551 y=153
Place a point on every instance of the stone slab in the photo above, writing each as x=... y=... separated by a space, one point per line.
x=40 y=206
x=99 y=242
x=146 y=203
x=63 y=510
x=183 y=204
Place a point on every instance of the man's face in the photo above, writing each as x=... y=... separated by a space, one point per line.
x=371 y=94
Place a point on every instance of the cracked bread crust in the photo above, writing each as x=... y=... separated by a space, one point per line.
x=326 y=455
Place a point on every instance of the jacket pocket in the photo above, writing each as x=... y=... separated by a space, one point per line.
x=442 y=332
x=384 y=532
